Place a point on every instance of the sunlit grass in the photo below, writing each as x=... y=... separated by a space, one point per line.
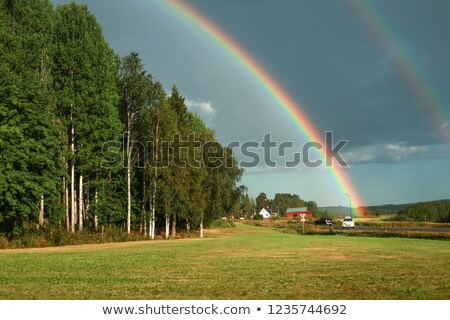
x=240 y=263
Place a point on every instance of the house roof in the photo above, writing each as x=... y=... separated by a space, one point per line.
x=301 y=209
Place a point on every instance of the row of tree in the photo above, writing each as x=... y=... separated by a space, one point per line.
x=438 y=211
x=88 y=139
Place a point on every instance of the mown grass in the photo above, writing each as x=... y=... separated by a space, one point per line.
x=245 y=262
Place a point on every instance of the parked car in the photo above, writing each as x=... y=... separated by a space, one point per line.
x=348 y=222
x=323 y=221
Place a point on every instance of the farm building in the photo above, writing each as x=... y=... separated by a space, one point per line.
x=293 y=213
x=264 y=213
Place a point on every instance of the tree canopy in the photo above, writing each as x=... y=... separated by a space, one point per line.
x=89 y=140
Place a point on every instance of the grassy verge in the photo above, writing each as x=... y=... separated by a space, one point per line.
x=378 y=233
x=245 y=262
x=61 y=237
x=294 y=226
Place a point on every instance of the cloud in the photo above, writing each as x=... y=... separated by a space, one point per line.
x=389 y=153
x=203 y=108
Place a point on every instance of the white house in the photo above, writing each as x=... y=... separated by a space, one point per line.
x=264 y=213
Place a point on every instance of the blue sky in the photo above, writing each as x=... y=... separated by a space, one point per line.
x=331 y=63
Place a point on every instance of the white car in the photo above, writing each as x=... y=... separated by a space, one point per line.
x=348 y=222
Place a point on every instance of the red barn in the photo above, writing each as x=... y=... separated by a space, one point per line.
x=293 y=213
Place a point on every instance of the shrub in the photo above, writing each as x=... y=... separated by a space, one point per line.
x=3 y=242
x=258 y=217
x=222 y=224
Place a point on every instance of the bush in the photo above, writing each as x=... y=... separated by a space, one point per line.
x=222 y=224
x=3 y=242
x=56 y=236
x=258 y=217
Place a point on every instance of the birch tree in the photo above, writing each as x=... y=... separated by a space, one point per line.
x=135 y=86
x=85 y=80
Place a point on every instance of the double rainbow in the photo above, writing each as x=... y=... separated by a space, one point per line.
x=386 y=37
x=240 y=56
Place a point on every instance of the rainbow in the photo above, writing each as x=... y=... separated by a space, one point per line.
x=410 y=71
x=293 y=111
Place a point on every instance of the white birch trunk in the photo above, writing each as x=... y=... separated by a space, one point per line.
x=72 y=181
x=155 y=185
x=153 y=225
x=41 y=211
x=80 y=204
x=201 y=228
x=66 y=202
x=96 y=208
x=128 y=180
x=167 y=226
x=143 y=211
x=188 y=226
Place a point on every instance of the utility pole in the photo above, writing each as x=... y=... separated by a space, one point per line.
x=349 y=204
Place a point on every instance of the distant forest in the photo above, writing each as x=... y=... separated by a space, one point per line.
x=438 y=211
x=75 y=125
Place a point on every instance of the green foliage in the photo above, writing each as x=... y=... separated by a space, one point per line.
x=438 y=211
x=30 y=142
x=247 y=204
x=220 y=223
x=85 y=80
x=262 y=202
x=65 y=101
x=283 y=201
x=258 y=217
x=312 y=207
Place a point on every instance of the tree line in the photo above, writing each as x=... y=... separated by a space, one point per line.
x=283 y=201
x=437 y=211
x=89 y=140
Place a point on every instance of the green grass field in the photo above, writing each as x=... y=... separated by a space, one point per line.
x=239 y=263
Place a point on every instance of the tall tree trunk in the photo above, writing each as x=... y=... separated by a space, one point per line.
x=155 y=185
x=95 y=211
x=80 y=204
x=167 y=226
x=75 y=205
x=66 y=201
x=41 y=211
x=72 y=179
x=151 y=224
x=143 y=211
x=128 y=181
x=188 y=226
x=174 y=226
x=86 y=202
x=145 y=225
x=151 y=232
x=201 y=228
